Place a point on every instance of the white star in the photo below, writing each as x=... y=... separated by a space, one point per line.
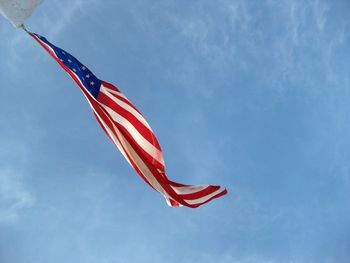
x=69 y=61
x=88 y=76
x=92 y=83
x=83 y=68
x=61 y=60
x=63 y=52
x=74 y=70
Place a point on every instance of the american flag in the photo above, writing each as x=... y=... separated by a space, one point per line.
x=129 y=131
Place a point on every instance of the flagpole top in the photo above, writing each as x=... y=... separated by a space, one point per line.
x=22 y=26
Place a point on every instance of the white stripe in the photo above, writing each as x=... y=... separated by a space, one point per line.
x=126 y=106
x=203 y=199
x=183 y=190
x=116 y=93
x=140 y=140
x=140 y=164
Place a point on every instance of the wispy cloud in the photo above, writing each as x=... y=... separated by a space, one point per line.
x=57 y=25
x=13 y=196
x=207 y=36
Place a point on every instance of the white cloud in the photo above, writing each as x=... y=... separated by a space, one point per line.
x=207 y=35
x=13 y=196
x=56 y=26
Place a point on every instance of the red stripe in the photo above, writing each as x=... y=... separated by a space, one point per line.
x=224 y=192
x=202 y=193
x=125 y=100
x=140 y=151
x=174 y=203
x=142 y=129
x=110 y=86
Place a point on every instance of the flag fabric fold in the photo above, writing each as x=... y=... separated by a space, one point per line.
x=129 y=131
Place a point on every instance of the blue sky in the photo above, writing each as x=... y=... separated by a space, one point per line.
x=251 y=95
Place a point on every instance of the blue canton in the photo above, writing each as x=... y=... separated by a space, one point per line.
x=89 y=80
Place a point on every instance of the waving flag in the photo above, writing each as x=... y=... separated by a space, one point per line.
x=130 y=132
